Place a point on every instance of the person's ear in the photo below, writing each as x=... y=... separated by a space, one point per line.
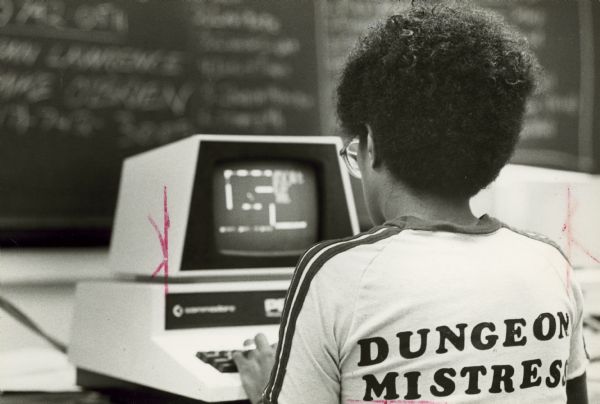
x=373 y=157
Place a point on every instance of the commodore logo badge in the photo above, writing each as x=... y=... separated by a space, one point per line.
x=177 y=310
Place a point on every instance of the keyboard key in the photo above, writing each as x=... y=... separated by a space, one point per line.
x=225 y=354
x=207 y=356
x=227 y=367
x=220 y=360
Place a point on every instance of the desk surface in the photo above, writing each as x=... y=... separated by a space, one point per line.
x=55 y=398
x=87 y=397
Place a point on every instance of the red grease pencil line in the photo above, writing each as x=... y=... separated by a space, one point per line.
x=571 y=240
x=567 y=230
x=163 y=240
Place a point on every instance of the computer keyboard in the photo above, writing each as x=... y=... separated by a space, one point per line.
x=220 y=360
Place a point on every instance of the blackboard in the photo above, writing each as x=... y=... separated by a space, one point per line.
x=345 y=21
x=562 y=126
x=85 y=83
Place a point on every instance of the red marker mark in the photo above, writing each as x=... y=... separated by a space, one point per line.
x=572 y=242
x=164 y=241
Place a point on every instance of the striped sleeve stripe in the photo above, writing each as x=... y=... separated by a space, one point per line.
x=306 y=258
x=298 y=295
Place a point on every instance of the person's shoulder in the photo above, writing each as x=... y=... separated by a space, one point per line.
x=345 y=255
x=331 y=271
x=537 y=239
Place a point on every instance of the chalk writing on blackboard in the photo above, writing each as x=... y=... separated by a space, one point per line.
x=85 y=84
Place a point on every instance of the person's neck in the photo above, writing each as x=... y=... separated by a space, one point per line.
x=401 y=201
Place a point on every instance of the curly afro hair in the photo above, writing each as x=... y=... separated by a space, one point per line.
x=444 y=90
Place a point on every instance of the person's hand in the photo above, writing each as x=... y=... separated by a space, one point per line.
x=255 y=367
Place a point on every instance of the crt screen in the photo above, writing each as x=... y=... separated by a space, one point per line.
x=265 y=208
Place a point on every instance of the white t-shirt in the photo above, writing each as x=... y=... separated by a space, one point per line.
x=415 y=311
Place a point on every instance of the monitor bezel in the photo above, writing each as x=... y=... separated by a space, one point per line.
x=200 y=255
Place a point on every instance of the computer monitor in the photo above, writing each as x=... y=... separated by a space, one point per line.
x=236 y=205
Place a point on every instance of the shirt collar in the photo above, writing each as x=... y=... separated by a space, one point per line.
x=485 y=225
